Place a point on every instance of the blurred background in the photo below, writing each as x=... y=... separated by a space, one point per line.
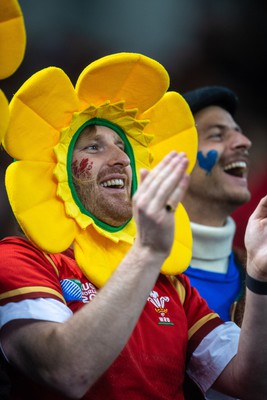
x=200 y=42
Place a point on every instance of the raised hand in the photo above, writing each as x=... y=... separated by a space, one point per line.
x=164 y=186
x=256 y=241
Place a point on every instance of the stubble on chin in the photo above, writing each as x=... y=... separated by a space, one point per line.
x=109 y=211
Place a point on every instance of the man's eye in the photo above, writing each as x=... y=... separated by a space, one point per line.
x=92 y=147
x=216 y=135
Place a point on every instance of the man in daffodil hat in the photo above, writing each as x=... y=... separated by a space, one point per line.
x=90 y=304
x=124 y=93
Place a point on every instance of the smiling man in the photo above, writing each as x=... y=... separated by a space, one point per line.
x=218 y=186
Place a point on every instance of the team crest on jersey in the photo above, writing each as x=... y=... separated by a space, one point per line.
x=160 y=308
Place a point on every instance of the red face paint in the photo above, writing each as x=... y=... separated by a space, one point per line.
x=74 y=167
x=82 y=170
x=83 y=164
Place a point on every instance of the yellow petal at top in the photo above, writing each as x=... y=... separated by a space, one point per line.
x=12 y=37
x=173 y=125
x=42 y=106
x=137 y=79
x=32 y=196
x=4 y=114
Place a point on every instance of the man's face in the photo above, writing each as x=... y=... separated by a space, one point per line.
x=102 y=175
x=220 y=174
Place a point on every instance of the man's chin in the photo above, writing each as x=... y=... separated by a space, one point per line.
x=119 y=216
x=240 y=199
x=114 y=222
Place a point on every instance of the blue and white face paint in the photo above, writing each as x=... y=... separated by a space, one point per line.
x=207 y=162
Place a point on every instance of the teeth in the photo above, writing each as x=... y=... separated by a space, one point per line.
x=113 y=182
x=237 y=164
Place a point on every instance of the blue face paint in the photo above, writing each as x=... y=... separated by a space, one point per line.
x=208 y=162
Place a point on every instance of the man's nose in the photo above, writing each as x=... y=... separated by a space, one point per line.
x=241 y=141
x=118 y=157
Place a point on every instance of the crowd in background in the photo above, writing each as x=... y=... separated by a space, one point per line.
x=199 y=42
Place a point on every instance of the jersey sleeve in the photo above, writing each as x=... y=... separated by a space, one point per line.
x=213 y=354
x=212 y=343
x=201 y=319
x=26 y=273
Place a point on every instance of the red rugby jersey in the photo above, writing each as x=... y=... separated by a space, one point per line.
x=152 y=365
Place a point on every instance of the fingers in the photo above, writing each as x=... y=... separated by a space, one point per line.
x=143 y=174
x=147 y=177
x=169 y=186
x=178 y=194
x=261 y=210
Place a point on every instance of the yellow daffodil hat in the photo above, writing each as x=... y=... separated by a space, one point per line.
x=12 y=48
x=126 y=92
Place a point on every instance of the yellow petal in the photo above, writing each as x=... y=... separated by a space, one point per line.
x=12 y=37
x=32 y=195
x=34 y=140
x=135 y=78
x=173 y=125
x=181 y=253
x=98 y=256
x=38 y=111
x=4 y=114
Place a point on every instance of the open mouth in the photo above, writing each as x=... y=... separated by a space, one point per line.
x=237 y=168
x=113 y=184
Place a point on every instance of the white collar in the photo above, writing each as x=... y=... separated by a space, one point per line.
x=212 y=246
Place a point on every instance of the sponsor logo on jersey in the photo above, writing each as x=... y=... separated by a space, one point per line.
x=88 y=292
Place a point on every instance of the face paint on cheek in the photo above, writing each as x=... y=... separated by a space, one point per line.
x=82 y=169
x=86 y=172
x=207 y=162
x=74 y=167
